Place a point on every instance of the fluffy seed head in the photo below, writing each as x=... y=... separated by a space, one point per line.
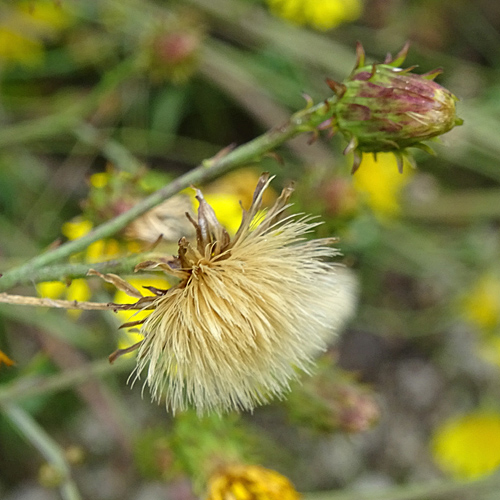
x=247 y=313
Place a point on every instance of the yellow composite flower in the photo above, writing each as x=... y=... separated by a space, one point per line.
x=97 y=251
x=468 y=446
x=226 y=194
x=129 y=336
x=380 y=184
x=25 y=25
x=250 y=482
x=481 y=305
x=15 y=47
x=319 y=14
x=247 y=313
x=489 y=349
x=240 y=183
x=227 y=208
x=4 y=359
x=76 y=228
x=99 y=180
x=77 y=290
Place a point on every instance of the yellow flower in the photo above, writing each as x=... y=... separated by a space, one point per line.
x=4 y=359
x=227 y=208
x=489 y=349
x=241 y=184
x=99 y=180
x=129 y=336
x=468 y=447
x=481 y=305
x=97 y=251
x=24 y=27
x=247 y=314
x=380 y=184
x=320 y=14
x=18 y=48
x=250 y=482
x=78 y=290
x=102 y=250
x=227 y=193
x=76 y=228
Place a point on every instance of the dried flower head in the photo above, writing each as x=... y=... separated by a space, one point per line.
x=247 y=313
x=166 y=221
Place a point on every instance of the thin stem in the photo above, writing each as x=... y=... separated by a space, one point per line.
x=31 y=386
x=67 y=272
x=117 y=154
x=302 y=121
x=223 y=66
x=70 y=118
x=21 y=300
x=438 y=490
x=52 y=452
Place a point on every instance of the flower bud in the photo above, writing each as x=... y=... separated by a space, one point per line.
x=382 y=107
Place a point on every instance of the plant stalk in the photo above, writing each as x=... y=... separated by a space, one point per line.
x=305 y=120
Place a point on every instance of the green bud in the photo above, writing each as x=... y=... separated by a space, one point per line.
x=382 y=107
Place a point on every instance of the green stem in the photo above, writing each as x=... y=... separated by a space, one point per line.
x=65 y=272
x=45 y=445
x=302 y=121
x=459 y=206
x=484 y=489
x=112 y=150
x=71 y=118
x=30 y=386
x=244 y=20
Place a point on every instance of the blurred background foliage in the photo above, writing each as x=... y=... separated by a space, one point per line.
x=104 y=101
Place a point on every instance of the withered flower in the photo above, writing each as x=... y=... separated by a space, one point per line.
x=166 y=220
x=247 y=314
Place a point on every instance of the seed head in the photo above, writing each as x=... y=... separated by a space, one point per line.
x=247 y=313
x=382 y=107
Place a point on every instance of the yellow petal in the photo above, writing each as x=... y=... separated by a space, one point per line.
x=468 y=446
x=51 y=289
x=5 y=359
x=76 y=228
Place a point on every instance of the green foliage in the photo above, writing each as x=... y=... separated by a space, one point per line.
x=104 y=87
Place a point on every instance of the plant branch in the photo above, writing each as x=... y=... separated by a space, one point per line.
x=303 y=121
x=30 y=386
x=115 y=152
x=67 y=272
x=52 y=452
x=22 y=300
x=439 y=490
x=71 y=117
